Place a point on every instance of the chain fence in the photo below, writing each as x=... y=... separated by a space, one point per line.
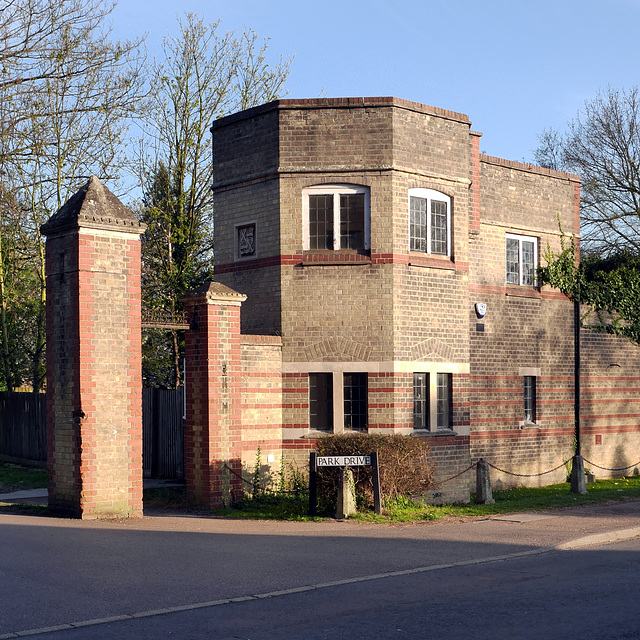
x=565 y=464
x=593 y=464
x=536 y=475
x=441 y=482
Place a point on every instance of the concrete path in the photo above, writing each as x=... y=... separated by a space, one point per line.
x=71 y=573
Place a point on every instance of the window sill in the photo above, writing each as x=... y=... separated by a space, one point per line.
x=515 y=291
x=426 y=433
x=344 y=257
x=317 y=433
x=432 y=261
x=313 y=434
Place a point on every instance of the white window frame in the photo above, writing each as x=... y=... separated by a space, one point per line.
x=521 y=239
x=431 y=400
x=430 y=195
x=336 y=190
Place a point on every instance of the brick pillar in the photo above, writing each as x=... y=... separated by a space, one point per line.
x=94 y=373
x=213 y=395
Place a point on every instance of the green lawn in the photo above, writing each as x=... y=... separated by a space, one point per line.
x=507 y=501
x=16 y=478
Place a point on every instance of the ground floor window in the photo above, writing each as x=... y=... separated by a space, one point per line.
x=444 y=401
x=529 y=398
x=420 y=400
x=432 y=401
x=321 y=401
x=355 y=401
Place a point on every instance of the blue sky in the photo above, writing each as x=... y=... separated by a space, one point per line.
x=515 y=67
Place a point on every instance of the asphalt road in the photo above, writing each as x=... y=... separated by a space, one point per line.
x=587 y=594
x=195 y=577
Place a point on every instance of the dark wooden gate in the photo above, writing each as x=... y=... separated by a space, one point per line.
x=163 y=433
x=23 y=428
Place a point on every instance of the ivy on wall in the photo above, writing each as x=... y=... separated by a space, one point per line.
x=609 y=287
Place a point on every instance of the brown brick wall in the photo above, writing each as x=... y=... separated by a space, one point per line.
x=261 y=404
x=525 y=331
x=610 y=405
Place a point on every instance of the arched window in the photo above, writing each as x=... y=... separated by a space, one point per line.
x=429 y=222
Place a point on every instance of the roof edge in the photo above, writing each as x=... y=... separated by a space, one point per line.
x=340 y=103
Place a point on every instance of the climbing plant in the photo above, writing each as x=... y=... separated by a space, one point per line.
x=608 y=287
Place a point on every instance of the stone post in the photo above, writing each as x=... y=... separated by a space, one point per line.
x=213 y=429
x=346 y=494
x=94 y=373
x=578 y=479
x=483 y=483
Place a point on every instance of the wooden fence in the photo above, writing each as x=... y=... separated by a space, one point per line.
x=23 y=430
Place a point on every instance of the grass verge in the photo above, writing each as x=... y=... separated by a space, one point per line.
x=289 y=507
x=404 y=510
x=14 y=477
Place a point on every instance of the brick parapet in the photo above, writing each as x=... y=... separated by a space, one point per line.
x=337 y=103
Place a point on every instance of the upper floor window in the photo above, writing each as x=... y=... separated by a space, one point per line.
x=336 y=217
x=522 y=260
x=429 y=222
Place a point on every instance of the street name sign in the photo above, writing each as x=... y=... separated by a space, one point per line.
x=343 y=461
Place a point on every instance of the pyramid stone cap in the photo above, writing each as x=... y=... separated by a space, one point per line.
x=93 y=207
x=213 y=292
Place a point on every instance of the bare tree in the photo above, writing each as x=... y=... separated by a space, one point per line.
x=602 y=145
x=67 y=93
x=206 y=74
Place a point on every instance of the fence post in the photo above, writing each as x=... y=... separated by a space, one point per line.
x=578 y=480
x=346 y=494
x=313 y=484
x=483 y=483
x=375 y=475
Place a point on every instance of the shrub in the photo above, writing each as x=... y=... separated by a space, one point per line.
x=405 y=463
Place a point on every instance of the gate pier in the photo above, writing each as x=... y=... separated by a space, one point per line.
x=94 y=372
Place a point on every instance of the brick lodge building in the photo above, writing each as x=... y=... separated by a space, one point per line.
x=389 y=270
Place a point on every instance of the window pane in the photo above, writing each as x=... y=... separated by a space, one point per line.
x=417 y=224
x=355 y=401
x=444 y=401
x=529 y=399
x=321 y=401
x=352 y=221
x=513 y=262
x=439 y=227
x=528 y=263
x=420 y=400
x=321 y=222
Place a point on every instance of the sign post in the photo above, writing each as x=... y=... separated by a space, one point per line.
x=316 y=461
